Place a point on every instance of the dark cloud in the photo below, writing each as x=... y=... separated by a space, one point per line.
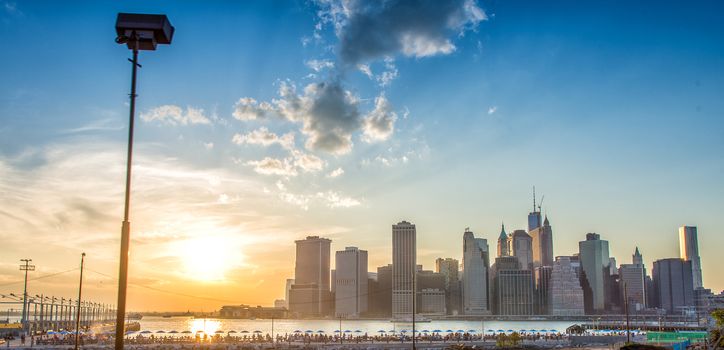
x=370 y=30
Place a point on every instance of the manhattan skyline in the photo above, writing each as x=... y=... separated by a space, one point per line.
x=610 y=110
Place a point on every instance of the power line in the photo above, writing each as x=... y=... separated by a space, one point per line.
x=166 y=291
x=40 y=277
x=378 y=292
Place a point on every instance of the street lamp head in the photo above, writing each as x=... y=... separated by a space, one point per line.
x=142 y=31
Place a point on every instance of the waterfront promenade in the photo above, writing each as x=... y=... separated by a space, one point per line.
x=297 y=341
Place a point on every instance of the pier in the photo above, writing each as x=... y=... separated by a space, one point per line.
x=44 y=313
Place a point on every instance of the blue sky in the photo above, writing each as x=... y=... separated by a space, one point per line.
x=612 y=109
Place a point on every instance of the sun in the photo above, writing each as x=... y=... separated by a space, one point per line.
x=206 y=258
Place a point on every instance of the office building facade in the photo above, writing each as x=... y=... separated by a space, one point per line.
x=594 y=258
x=689 y=250
x=566 y=293
x=542 y=241
x=404 y=267
x=351 y=282
x=475 y=275
x=513 y=289
x=450 y=268
x=673 y=285
x=310 y=295
x=520 y=245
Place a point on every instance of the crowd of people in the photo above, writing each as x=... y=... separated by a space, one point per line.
x=201 y=340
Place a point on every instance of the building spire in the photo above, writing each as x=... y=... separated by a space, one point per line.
x=534 y=199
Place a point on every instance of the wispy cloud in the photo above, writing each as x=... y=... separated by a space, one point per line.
x=175 y=115
x=96 y=125
x=336 y=173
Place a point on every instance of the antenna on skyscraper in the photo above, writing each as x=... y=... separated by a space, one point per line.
x=534 y=199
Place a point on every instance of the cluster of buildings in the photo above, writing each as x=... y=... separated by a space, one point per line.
x=521 y=277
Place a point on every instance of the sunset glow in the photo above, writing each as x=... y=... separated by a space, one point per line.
x=265 y=122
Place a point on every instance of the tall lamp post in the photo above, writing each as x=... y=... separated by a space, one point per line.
x=138 y=32
x=77 y=313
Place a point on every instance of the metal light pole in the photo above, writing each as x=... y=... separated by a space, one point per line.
x=80 y=290
x=138 y=32
x=27 y=267
x=626 y=306
x=414 y=299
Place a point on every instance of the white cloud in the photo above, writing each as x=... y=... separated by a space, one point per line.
x=337 y=200
x=492 y=110
x=175 y=115
x=330 y=199
x=365 y=69
x=421 y=46
x=249 y=109
x=319 y=65
x=307 y=162
x=273 y=166
x=379 y=124
x=264 y=137
x=336 y=173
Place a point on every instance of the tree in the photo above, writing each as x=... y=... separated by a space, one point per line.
x=514 y=338
x=717 y=335
x=502 y=340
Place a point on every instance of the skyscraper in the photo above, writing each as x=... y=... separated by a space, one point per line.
x=451 y=269
x=566 y=294
x=382 y=298
x=593 y=253
x=513 y=288
x=503 y=242
x=542 y=276
x=287 y=288
x=521 y=247
x=673 y=284
x=351 y=282
x=689 y=250
x=632 y=279
x=534 y=216
x=475 y=274
x=542 y=244
x=404 y=267
x=310 y=294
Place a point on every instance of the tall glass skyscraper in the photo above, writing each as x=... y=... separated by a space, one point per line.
x=475 y=274
x=404 y=263
x=689 y=250
x=593 y=253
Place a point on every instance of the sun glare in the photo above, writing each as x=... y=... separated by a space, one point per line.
x=205 y=326
x=206 y=258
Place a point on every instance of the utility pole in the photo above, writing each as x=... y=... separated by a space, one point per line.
x=626 y=306
x=27 y=267
x=80 y=290
x=414 y=297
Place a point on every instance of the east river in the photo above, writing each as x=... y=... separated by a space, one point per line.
x=178 y=325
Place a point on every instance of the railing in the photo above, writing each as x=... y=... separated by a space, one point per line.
x=45 y=313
